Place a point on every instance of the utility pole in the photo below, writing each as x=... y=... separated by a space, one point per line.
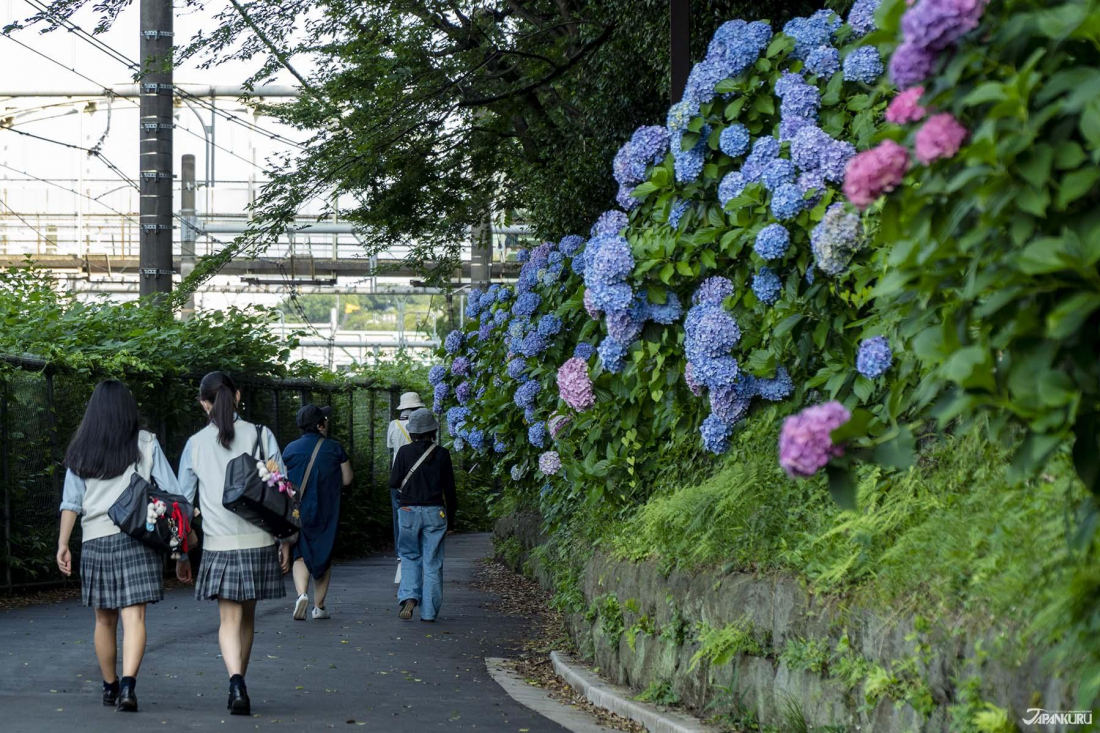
x=481 y=253
x=680 y=45
x=155 y=258
x=189 y=230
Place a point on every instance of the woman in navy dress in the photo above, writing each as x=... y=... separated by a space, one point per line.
x=320 y=506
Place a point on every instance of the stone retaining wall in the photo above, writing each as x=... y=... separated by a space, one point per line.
x=885 y=672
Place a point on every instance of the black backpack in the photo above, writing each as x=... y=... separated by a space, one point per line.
x=250 y=498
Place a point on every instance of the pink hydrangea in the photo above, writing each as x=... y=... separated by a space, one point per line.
x=905 y=107
x=550 y=462
x=875 y=172
x=805 y=445
x=940 y=137
x=590 y=305
x=689 y=377
x=557 y=423
x=574 y=386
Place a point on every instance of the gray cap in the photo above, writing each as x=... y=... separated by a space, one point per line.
x=422 y=421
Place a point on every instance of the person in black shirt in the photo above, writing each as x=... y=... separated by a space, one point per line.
x=425 y=477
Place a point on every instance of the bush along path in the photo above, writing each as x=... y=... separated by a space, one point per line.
x=870 y=234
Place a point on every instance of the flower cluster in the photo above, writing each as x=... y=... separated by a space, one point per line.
x=905 y=107
x=574 y=386
x=875 y=172
x=766 y=286
x=940 y=137
x=863 y=64
x=453 y=342
x=646 y=147
x=550 y=462
x=861 y=17
x=835 y=239
x=929 y=28
x=874 y=357
x=805 y=442
x=772 y=242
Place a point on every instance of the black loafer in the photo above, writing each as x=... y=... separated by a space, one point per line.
x=110 y=694
x=239 y=704
x=127 y=700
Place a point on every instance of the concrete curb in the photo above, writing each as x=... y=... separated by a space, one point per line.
x=619 y=700
x=540 y=701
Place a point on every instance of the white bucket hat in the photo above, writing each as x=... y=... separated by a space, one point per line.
x=409 y=401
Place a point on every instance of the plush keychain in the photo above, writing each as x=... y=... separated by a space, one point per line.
x=156 y=509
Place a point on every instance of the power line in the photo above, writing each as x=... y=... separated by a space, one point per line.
x=20 y=218
x=71 y=190
x=103 y=158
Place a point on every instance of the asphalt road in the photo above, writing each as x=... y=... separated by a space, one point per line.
x=363 y=668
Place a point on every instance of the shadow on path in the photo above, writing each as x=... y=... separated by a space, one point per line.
x=364 y=667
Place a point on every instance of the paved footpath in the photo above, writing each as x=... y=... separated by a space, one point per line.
x=364 y=667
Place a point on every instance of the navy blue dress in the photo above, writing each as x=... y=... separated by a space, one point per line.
x=320 y=508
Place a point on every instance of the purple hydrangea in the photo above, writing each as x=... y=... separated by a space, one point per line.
x=526 y=304
x=612 y=355
x=437 y=374
x=935 y=25
x=550 y=463
x=805 y=442
x=536 y=435
x=910 y=65
x=526 y=393
x=453 y=342
x=834 y=159
x=835 y=239
x=689 y=378
x=610 y=223
x=862 y=17
x=777 y=388
x=574 y=385
x=713 y=291
x=463 y=392
x=772 y=242
x=584 y=350
x=874 y=357
x=460 y=366
x=571 y=243
x=766 y=286
x=716 y=434
x=734 y=140
x=823 y=61
x=728 y=406
x=787 y=201
x=863 y=64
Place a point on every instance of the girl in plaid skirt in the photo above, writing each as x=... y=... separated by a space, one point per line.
x=118 y=574
x=241 y=563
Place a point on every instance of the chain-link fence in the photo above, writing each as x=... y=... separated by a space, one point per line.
x=41 y=407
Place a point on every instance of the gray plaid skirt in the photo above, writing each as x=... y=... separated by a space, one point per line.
x=117 y=571
x=240 y=575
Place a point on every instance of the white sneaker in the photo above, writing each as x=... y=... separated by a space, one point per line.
x=320 y=613
x=300 y=606
x=397 y=578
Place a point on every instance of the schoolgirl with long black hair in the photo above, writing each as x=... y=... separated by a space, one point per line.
x=118 y=574
x=241 y=563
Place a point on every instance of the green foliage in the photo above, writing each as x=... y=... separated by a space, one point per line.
x=509 y=550
x=806 y=655
x=611 y=617
x=659 y=692
x=719 y=646
x=972 y=714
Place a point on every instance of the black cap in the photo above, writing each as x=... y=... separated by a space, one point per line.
x=327 y=412
x=310 y=416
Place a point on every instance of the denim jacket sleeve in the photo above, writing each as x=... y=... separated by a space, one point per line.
x=72 y=496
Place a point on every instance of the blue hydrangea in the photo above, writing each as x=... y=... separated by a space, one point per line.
x=549 y=325
x=862 y=17
x=460 y=366
x=679 y=117
x=835 y=239
x=787 y=201
x=772 y=242
x=649 y=144
x=766 y=286
x=734 y=140
x=744 y=387
x=584 y=350
x=571 y=243
x=717 y=373
x=667 y=313
x=516 y=473
x=526 y=304
x=536 y=435
x=529 y=414
x=809 y=33
x=823 y=61
x=677 y=212
x=874 y=357
x=610 y=298
x=456 y=419
x=480 y=393
x=532 y=345
x=613 y=261
x=609 y=222
x=459 y=444
x=716 y=434
x=780 y=172
x=835 y=158
x=864 y=64
x=704 y=76
x=523 y=255
x=732 y=185
x=626 y=199
x=453 y=342
x=728 y=406
x=473 y=304
x=517 y=368
x=777 y=388
x=710 y=332
x=689 y=163
x=737 y=45
x=441 y=391
x=476 y=439
x=504 y=294
x=499 y=446
x=799 y=99
x=807 y=146
x=526 y=393
x=812 y=181
x=623 y=327
x=551 y=274
x=612 y=355
x=713 y=291
x=437 y=374
x=580 y=263
x=765 y=150
x=485 y=331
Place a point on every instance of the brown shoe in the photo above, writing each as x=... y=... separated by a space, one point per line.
x=406 y=611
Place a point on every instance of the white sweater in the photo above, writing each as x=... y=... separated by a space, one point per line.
x=202 y=468
x=101 y=494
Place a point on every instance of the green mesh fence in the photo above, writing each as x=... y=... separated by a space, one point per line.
x=40 y=409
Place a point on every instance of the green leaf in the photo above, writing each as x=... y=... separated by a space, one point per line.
x=1066 y=319
x=899 y=452
x=667 y=272
x=856 y=427
x=644 y=189
x=656 y=294
x=1086 y=451
x=726 y=86
x=842 y=486
x=684 y=269
x=1076 y=184
x=787 y=324
x=707 y=258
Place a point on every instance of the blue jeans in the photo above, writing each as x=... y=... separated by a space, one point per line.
x=395 y=504
x=421 y=550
